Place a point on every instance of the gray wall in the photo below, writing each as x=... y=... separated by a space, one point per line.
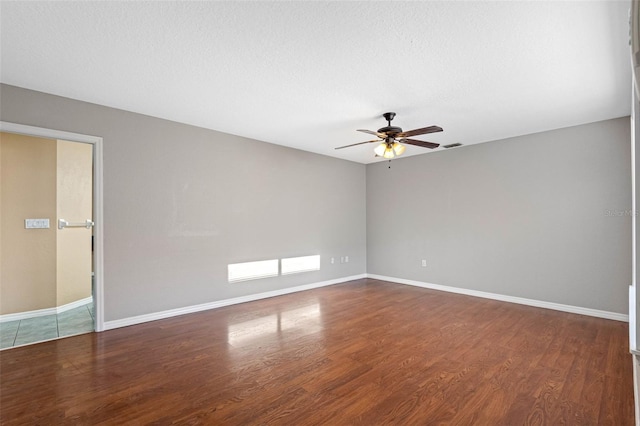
x=544 y=216
x=181 y=202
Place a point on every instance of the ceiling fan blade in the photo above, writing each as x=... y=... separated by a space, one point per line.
x=423 y=144
x=359 y=143
x=416 y=132
x=371 y=132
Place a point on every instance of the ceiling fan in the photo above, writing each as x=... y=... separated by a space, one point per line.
x=391 y=138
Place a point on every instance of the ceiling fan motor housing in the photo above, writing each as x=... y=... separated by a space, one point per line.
x=390 y=130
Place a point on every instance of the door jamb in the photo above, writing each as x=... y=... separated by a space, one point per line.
x=98 y=249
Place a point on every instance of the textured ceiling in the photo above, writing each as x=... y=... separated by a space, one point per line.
x=308 y=74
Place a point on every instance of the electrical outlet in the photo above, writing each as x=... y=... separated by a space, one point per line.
x=333 y=260
x=424 y=263
x=346 y=259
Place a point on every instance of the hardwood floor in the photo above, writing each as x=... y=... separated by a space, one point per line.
x=366 y=352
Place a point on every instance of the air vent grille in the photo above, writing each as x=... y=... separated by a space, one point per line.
x=453 y=145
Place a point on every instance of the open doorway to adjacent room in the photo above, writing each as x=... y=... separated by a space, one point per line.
x=48 y=261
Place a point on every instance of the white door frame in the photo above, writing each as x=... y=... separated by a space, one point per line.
x=98 y=252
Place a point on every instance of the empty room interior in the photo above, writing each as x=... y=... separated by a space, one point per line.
x=318 y=213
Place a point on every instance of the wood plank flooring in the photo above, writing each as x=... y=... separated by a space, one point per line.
x=366 y=352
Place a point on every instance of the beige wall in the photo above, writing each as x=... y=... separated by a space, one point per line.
x=28 y=256
x=43 y=178
x=74 y=199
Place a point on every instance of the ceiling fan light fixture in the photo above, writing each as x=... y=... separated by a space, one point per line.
x=398 y=148
x=388 y=153
x=380 y=149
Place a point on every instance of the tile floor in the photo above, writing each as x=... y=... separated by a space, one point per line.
x=31 y=330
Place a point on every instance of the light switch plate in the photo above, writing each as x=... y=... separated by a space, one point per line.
x=36 y=223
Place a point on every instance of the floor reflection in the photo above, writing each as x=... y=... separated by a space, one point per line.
x=304 y=320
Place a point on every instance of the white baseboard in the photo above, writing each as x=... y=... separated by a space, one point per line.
x=74 y=305
x=512 y=299
x=108 y=325
x=139 y=319
x=44 y=312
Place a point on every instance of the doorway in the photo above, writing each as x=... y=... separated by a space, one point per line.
x=51 y=280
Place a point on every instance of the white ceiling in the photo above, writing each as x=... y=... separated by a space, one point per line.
x=308 y=74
